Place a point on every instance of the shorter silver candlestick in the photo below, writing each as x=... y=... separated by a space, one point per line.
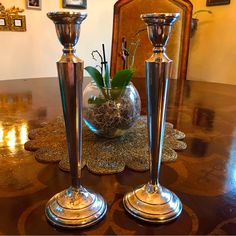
x=75 y=207
x=152 y=202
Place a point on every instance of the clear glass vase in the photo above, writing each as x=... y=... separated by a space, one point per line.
x=110 y=112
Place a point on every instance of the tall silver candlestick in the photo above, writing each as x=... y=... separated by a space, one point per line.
x=152 y=202
x=75 y=207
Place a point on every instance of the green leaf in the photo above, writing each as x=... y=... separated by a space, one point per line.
x=122 y=78
x=96 y=75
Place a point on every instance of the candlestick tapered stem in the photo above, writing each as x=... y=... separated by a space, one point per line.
x=75 y=207
x=152 y=202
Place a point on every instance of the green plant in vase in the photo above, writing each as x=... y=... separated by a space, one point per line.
x=111 y=106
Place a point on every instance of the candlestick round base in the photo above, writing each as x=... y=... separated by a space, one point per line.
x=152 y=203
x=75 y=208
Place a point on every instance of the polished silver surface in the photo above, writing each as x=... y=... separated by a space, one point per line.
x=159 y=27
x=75 y=207
x=71 y=208
x=67 y=26
x=152 y=202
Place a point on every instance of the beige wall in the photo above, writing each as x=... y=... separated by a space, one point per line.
x=213 y=47
x=33 y=53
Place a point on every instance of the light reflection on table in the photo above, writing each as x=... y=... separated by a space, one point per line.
x=13 y=135
x=204 y=175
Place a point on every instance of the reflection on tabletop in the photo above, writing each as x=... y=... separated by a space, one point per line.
x=204 y=175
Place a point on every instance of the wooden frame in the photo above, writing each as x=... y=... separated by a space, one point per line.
x=77 y=4
x=34 y=4
x=217 y=2
x=4 y=23
x=17 y=23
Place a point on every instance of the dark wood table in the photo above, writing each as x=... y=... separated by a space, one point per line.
x=204 y=175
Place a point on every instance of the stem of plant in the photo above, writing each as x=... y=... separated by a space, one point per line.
x=104 y=63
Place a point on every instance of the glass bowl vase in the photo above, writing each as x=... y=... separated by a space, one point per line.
x=110 y=112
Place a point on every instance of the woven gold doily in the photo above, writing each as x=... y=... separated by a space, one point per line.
x=103 y=156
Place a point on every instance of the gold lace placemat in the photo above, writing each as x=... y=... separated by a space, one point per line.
x=103 y=156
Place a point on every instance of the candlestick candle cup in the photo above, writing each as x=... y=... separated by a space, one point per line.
x=153 y=202
x=75 y=207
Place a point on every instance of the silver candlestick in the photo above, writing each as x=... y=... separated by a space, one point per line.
x=75 y=207
x=152 y=202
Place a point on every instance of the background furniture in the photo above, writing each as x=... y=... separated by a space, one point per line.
x=203 y=175
x=127 y=22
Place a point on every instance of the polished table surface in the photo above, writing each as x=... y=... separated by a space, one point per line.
x=203 y=176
